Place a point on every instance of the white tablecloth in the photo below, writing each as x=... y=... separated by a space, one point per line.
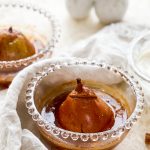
x=109 y=45
x=11 y=134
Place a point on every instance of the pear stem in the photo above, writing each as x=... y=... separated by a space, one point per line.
x=10 y=29
x=79 y=87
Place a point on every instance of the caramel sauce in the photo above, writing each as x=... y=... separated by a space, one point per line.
x=49 y=111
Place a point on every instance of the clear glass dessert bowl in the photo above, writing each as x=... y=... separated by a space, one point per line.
x=38 y=25
x=139 y=57
x=111 y=80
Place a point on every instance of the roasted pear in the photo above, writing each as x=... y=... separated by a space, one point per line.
x=14 y=45
x=84 y=112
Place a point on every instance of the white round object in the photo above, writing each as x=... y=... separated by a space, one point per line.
x=79 y=9
x=109 y=11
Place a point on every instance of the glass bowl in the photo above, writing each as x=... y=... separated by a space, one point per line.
x=51 y=75
x=38 y=25
x=139 y=57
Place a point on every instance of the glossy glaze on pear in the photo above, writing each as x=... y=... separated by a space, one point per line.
x=14 y=45
x=83 y=111
x=50 y=110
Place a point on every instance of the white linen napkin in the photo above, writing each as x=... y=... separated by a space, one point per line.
x=110 y=45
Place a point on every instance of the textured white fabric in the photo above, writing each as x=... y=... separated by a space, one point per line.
x=108 y=45
x=30 y=142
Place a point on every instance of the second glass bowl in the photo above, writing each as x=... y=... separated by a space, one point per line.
x=39 y=26
x=139 y=57
x=52 y=75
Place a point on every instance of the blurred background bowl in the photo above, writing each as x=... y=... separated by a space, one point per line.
x=38 y=25
x=140 y=56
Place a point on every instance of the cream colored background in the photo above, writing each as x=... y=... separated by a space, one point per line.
x=72 y=31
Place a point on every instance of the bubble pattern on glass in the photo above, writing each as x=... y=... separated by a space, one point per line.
x=137 y=89
x=51 y=44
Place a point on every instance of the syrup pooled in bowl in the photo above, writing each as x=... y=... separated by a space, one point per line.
x=95 y=111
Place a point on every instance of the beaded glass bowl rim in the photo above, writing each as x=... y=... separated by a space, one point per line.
x=54 y=130
x=56 y=33
x=131 y=60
